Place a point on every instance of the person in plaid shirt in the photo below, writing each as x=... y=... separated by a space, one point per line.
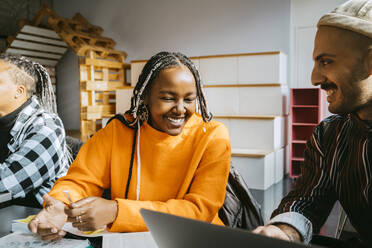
x=33 y=152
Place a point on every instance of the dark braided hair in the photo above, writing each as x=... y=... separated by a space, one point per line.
x=157 y=63
x=34 y=77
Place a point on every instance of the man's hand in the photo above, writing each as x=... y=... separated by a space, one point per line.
x=279 y=231
x=92 y=213
x=49 y=221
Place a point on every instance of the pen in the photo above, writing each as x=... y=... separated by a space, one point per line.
x=68 y=196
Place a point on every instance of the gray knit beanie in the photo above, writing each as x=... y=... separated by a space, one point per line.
x=354 y=15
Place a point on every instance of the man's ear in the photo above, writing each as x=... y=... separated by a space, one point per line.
x=21 y=91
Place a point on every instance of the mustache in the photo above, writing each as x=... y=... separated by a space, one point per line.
x=326 y=86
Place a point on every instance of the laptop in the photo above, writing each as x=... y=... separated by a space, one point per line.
x=170 y=231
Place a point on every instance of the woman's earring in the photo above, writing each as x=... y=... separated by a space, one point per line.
x=144 y=116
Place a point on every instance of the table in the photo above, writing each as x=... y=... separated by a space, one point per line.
x=10 y=213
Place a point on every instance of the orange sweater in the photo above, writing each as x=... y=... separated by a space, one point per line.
x=184 y=175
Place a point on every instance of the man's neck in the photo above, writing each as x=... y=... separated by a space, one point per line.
x=365 y=114
x=13 y=107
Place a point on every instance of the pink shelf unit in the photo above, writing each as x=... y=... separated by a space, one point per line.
x=307 y=108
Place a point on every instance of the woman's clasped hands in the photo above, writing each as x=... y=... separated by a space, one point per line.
x=87 y=214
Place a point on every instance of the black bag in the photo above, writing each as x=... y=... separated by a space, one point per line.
x=240 y=209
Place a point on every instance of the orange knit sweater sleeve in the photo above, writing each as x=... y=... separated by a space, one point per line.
x=89 y=174
x=205 y=196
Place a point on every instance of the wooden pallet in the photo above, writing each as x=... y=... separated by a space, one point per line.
x=101 y=67
x=99 y=79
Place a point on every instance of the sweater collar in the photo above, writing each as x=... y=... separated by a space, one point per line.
x=25 y=115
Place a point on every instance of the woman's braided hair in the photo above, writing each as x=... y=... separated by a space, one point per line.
x=157 y=63
x=34 y=77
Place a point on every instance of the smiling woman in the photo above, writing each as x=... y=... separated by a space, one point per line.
x=165 y=154
x=172 y=100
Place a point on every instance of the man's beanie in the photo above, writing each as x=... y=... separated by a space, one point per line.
x=354 y=15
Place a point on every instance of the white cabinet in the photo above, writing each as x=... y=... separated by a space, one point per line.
x=219 y=70
x=261 y=171
x=248 y=101
x=222 y=101
x=262 y=69
x=266 y=134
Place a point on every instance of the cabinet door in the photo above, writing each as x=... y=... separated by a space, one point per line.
x=263 y=100
x=260 y=134
x=219 y=70
x=222 y=101
x=262 y=69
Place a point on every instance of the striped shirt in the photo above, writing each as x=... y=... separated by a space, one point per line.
x=337 y=167
x=37 y=153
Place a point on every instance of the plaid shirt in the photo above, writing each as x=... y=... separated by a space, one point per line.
x=37 y=153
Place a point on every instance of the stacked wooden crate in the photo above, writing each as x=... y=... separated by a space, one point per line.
x=98 y=81
x=101 y=67
x=248 y=93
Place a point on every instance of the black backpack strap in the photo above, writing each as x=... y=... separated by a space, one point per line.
x=131 y=163
x=121 y=118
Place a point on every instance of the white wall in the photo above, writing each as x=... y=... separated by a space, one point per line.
x=304 y=17
x=195 y=27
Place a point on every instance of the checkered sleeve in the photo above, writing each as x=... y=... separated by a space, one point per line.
x=37 y=160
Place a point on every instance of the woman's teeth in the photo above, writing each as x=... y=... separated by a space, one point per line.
x=176 y=120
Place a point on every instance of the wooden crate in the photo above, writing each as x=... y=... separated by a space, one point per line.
x=102 y=69
x=99 y=78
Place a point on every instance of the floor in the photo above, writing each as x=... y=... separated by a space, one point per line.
x=271 y=197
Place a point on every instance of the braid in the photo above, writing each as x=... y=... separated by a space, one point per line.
x=44 y=89
x=151 y=70
x=36 y=80
x=202 y=103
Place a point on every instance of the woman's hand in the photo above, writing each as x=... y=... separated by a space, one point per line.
x=49 y=221
x=92 y=213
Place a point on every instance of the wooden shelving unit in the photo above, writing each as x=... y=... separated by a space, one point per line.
x=307 y=109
